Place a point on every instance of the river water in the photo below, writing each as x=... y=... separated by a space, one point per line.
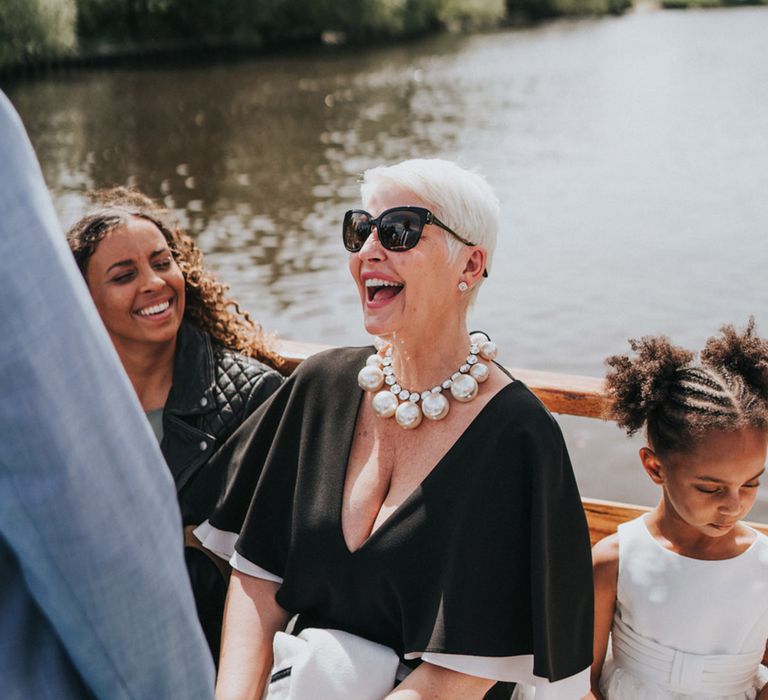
x=630 y=155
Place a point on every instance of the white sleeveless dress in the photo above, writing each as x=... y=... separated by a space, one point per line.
x=686 y=628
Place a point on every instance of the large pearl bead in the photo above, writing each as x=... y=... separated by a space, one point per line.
x=478 y=338
x=384 y=404
x=488 y=350
x=408 y=415
x=374 y=361
x=435 y=406
x=464 y=388
x=370 y=378
x=480 y=372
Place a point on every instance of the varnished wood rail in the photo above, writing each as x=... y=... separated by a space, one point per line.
x=568 y=394
x=605 y=516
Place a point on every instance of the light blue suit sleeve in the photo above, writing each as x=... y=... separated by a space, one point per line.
x=88 y=510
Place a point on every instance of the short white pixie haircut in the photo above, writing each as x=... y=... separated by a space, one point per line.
x=460 y=198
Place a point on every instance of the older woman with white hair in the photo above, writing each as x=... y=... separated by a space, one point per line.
x=411 y=503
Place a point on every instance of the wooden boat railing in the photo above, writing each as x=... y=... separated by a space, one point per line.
x=566 y=394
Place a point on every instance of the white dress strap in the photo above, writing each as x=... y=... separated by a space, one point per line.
x=681 y=672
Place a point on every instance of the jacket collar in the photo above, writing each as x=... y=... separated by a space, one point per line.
x=193 y=373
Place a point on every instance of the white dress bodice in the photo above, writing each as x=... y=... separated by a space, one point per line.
x=686 y=627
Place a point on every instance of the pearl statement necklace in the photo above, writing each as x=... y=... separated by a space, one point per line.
x=403 y=403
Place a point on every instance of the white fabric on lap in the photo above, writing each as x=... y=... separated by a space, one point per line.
x=325 y=664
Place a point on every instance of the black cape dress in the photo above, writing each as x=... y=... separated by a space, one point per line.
x=488 y=557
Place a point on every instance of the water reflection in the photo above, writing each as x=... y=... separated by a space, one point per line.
x=630 y=155
x=258 y=157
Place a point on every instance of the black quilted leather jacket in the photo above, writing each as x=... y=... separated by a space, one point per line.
x=213 y=391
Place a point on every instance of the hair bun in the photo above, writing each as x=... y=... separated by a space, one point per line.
x=745 y=354
x=640 y=384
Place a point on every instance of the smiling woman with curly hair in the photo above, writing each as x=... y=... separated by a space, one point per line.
x=195 y=359
x=206 y=302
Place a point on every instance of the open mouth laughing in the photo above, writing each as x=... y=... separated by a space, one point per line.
x=382 y=290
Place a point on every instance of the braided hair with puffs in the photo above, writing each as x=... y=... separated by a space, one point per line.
x=677 y=401
x=207 y=303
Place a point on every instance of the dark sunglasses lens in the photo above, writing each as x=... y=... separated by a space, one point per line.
x=356 y=228
x=400 y=230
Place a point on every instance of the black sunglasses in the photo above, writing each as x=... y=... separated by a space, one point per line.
x=399 y=228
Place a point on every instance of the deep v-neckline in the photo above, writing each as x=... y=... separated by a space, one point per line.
x=416 y=491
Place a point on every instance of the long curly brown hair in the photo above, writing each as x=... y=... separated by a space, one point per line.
x=662 y=388
x=207 y=304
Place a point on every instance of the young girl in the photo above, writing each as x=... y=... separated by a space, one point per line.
x=683 y=590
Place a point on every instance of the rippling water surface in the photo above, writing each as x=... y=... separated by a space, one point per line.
x=630 y=155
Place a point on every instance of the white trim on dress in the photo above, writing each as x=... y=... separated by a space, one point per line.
x=512 y=669
x=222 y=544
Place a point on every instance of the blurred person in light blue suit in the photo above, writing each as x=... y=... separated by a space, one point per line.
x=94 y=597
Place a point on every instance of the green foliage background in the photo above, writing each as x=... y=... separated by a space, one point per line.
x=270 y=21
x=35 y=31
